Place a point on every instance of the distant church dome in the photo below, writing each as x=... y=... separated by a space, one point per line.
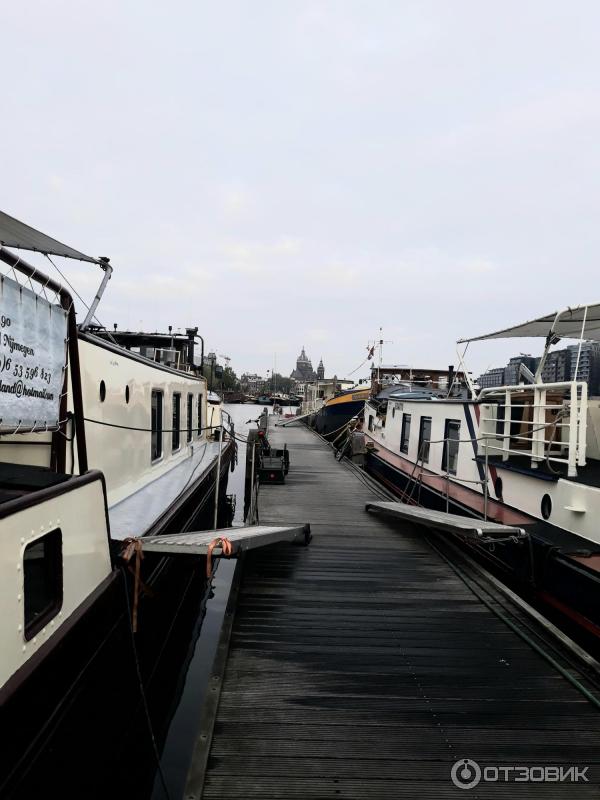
x=304 y=371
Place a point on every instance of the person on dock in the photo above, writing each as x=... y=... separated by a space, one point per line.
x=358 y=446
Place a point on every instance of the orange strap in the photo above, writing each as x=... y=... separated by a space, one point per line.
x=226 y=547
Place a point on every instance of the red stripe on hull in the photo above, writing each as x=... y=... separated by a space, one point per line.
x=474 y=501
x=582 y=621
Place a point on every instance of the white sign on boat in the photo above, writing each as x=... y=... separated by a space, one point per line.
x=33 y=335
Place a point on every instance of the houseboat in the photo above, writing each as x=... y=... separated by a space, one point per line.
x=330 y=403
x=525 y=455
x=337 y=411
x=104 y=436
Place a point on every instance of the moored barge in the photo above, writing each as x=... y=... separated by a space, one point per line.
x=105 y=436
x=525 y=455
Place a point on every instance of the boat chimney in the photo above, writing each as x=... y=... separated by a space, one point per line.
x=450 y=377
x=191 y=334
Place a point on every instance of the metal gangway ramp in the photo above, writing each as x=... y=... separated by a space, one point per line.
x=365 y=666
x=196 y=543
x=484 y=530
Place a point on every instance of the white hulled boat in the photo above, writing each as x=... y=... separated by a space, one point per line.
x=103 y=436
x=526 y=455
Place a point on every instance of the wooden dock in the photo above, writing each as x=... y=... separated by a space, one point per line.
x=364 y=666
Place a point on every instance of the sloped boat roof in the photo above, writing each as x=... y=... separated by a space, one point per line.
x=14 y=233
x=567 y=324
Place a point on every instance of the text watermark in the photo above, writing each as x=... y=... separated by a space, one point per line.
x=466 y=774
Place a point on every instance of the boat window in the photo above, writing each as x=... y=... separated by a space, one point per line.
x=127 y=394
x=176 y=421
x=451 y=444
x=157 y=424
x=370 y=422
x=405 y=438
x=199 y=415
x=190 y=416
x=102 y=391
x=42 y=581
x=424 y=439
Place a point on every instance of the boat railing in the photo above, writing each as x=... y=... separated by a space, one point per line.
x=570 y=406
x=556 y=431
x=416 y=478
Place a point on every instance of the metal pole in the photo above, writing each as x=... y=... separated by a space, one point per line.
x=92 y=309
x=252 y=484
x=446 y=447
x=580 y=343
x=218 y=475
x=485 y=487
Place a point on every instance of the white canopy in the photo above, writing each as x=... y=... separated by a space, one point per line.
x=566 y=324
x=14 y=233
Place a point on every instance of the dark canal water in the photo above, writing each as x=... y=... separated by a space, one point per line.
x=195 y=671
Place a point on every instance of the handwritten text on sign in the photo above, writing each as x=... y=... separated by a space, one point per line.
x=33 y=336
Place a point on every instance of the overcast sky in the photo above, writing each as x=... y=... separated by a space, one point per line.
x=286 y=173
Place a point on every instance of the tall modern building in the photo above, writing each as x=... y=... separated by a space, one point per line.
x=493 y=377
x=512 y=373
x=589 y=365
x=559 y=367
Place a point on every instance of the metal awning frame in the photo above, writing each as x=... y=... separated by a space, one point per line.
x=572 y=317
x=20 y=236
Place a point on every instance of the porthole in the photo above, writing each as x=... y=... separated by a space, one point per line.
x=127 y=394
x=498 y=488
x=546 y=506
x=102 y=391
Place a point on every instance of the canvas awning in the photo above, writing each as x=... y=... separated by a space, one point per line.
x=14 y=233
x=566 y=324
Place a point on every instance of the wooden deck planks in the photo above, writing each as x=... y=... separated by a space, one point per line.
x=363 y=667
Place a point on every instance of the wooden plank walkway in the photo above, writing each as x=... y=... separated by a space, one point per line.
x=363 y=667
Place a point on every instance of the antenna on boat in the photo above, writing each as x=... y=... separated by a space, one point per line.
x=379 y=344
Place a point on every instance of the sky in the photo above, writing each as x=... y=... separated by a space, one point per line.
x=285 y=173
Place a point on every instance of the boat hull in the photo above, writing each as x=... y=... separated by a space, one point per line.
x=78 y=705
x=330 y=419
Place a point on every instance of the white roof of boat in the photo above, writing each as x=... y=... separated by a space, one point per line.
x=567 y=324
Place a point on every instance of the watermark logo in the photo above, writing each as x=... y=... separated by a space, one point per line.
x=466 y=774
